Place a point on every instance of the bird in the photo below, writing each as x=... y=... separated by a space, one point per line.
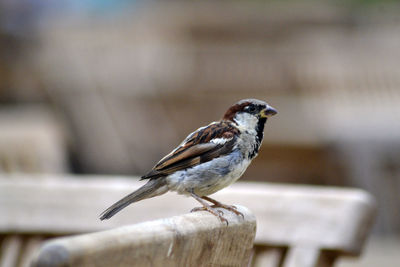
x=208 y=160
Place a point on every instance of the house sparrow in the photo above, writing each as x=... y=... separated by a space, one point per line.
x=209 y=159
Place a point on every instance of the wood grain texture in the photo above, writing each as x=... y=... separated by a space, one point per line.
x=195 y=239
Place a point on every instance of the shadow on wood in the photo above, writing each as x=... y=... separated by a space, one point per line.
x=195 y=239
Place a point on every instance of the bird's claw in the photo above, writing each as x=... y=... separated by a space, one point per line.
x=222 y=219
x=237 y=213
x=229 y=207
x=197 y=209
x=240 y=214
x=217 y=213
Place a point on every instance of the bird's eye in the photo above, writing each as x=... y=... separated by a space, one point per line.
x=251 y=108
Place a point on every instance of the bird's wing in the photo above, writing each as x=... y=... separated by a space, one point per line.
x=203 y=145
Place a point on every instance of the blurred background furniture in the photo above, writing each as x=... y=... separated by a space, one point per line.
x=31 y=141
x=295 y=224
x=124 y=83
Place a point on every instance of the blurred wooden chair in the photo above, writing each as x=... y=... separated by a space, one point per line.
x=296 y=225
x=31 y=141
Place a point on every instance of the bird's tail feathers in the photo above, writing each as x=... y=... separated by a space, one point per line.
x=150 y=189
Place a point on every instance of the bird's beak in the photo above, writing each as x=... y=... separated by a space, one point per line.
x=268 y=112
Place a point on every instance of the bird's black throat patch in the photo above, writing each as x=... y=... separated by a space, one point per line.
x=260 y=129
x=259 y=137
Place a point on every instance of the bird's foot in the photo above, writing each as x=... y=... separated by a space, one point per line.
x=228 y=207
x=213 y=211
x=220 y=212
x=218 y=204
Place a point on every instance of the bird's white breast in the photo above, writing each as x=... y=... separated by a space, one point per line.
x=209 y=177
x=230 y=178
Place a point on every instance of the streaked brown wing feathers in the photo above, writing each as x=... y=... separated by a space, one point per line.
x=196 y=149
x=184 y=154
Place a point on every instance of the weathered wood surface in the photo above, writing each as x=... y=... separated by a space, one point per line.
x=305 y=216
x=195 y=239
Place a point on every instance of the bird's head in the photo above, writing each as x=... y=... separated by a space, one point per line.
x=249 y=113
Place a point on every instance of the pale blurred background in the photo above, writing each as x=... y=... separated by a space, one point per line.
x=109 y=87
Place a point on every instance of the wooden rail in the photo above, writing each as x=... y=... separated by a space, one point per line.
x=195 y=239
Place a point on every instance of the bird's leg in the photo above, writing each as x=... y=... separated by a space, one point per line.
x=207 y=207
x=220 y=205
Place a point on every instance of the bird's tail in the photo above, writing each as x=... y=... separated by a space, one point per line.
x=152 y=188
